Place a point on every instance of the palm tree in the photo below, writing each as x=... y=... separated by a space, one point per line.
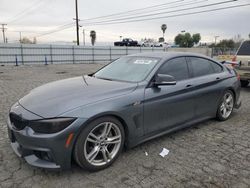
x=163 y=28
x=93 y=37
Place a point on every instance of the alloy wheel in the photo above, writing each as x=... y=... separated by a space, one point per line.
x=227 y=104
x=102 y=143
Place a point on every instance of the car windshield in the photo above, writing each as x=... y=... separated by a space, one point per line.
x=129 y=69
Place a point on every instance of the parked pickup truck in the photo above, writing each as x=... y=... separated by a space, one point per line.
x=126 y=42
x=243 y=58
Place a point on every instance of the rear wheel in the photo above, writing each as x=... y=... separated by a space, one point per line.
x=226 y=105
x=244 y=83
x=99 y=144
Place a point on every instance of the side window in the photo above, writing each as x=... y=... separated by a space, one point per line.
x=201 y=66
x=217 y=68
x=175 y=67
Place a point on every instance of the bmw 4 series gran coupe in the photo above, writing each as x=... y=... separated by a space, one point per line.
x=91 y=118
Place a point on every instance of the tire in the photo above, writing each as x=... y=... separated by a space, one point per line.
x=244 y=83
x=94 y=149
x=226 y=105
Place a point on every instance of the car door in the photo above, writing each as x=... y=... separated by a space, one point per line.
x=207 y=76
x=167 y=106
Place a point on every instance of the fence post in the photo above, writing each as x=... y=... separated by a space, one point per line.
x=126 y=50
x=73 y=54
x=110 y=54
x=140 y=49
x=16 y=61
x=46 y=62
x=51 y=55
x=93 y=54
x=22 y=54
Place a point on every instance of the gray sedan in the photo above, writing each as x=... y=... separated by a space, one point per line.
x=136 y=98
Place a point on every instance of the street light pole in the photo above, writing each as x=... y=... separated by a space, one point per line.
x=20 y=36
x=3 y=30
x=83 y=33
x=77 y=24
x=215 y=39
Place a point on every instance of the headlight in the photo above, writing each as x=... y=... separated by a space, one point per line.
x=50 y=125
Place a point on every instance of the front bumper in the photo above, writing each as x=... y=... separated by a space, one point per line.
x=44 y=150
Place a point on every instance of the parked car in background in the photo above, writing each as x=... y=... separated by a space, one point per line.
x=136 y=98
x=161 y=44
x=147 y=44
x=126 y=42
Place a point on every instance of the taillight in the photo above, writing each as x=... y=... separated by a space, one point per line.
x=238 y=76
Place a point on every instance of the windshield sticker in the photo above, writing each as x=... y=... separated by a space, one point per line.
x=143 y=61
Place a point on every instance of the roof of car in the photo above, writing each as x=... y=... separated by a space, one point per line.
x=167 y=55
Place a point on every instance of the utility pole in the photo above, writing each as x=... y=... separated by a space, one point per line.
x=215 y=39
x=3 y=30
x=20 y=35
x=77 y=24
x=83 y=33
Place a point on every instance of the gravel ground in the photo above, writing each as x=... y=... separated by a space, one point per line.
x=209 y=154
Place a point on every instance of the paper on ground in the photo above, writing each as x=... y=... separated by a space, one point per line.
x=164 y=152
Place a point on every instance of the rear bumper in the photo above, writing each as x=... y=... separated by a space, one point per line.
x=44 y=150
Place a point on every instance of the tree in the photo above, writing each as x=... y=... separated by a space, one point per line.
x=249 y=35
x=225 y=43
x=186 y=40
x=26 y=40
x=34 y=40
x=161 y=39
x=163 y=28
x=196 y=38
x=93 y=37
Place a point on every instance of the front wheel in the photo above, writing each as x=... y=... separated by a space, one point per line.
x=226 y=106
x=99 y=144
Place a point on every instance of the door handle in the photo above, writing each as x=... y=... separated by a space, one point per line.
x=218 y=78
x=189 y=85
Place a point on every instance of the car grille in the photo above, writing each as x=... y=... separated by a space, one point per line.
x=17 y=121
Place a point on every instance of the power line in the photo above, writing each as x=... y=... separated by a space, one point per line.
x=159 y=13
x=147 y=19
x=63 y=27
x=134 y=10
x=164 y=8
x=60 y=28
x=33 y=6
x=177 y=15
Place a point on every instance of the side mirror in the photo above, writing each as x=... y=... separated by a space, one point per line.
x=164 y=79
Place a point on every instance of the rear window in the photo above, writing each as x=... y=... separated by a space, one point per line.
x=244 y=48
x=201 y=67
x=217 y=68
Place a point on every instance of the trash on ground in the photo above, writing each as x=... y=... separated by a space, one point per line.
x=164 y=152
x=146 y=153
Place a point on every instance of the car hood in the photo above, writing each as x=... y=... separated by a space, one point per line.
x=55 y=98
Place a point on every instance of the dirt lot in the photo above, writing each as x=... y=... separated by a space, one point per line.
x=210 y=154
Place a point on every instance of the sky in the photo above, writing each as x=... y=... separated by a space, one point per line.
x=34 y=18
